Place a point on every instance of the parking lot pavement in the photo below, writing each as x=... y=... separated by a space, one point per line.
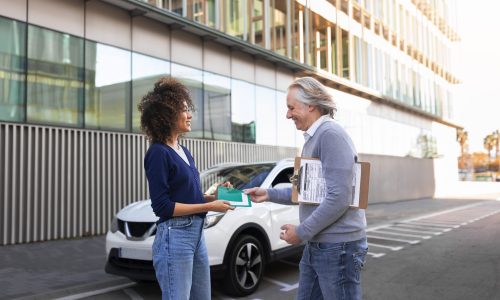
x=57 y=268
x=54 y=268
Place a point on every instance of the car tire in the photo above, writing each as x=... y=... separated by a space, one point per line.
x=245 y=264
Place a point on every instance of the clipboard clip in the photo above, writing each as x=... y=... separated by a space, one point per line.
x=295 y=179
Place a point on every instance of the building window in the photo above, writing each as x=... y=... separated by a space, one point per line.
x=12 y=68
x=193 y=79
x=257 y=22
x=285 y=127
x=266 y=117
x=55 y=78
x=146 y=71
x=334 y=50
x=242 y=111
x=211 y=18
x=235 y=22
x=176 y=6
x=196 y=10
x=217 y=106
x=279 y=32
x=320 y=35
x=297 y=37
x=107 y=87
x=358 y=60
x=345 y=54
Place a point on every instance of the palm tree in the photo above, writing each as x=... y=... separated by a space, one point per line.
x=488 y=144
x=463 y=138
x=496 y=141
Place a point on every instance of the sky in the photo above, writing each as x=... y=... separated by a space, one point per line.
x=477 y=98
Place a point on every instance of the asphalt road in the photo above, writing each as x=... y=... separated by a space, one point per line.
x=451 y=254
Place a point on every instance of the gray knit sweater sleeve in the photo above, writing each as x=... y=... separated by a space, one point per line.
x=280 y=196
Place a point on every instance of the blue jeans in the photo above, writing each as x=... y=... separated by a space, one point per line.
x=332 y=270
x=180 y=259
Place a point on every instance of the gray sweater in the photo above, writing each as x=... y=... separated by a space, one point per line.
x=333 y=220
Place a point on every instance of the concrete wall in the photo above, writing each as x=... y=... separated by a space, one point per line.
x=399 y=178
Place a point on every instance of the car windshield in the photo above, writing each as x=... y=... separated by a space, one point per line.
x=241 y=177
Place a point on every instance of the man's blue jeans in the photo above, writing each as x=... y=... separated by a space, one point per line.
x=180 y=259
x=332 y=270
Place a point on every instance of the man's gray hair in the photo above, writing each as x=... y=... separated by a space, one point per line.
x=312 y=92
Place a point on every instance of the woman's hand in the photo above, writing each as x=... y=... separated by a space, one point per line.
x=213 y=189
x=220 y=206
x=227 y=184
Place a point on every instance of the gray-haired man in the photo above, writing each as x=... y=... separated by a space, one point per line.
x=334 y=232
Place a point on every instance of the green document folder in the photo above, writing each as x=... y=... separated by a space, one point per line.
x=233 y=196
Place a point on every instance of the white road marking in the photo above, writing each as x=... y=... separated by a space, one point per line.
x=408 y=225
x=403 y=234
x=393 y=248
x=376 y=255
x=432 y=225
x=411 y=230
x=132 y=294
x=413 y=242
x=97 y=292
x=430 y=215
x=440 y=222
x=285 y=286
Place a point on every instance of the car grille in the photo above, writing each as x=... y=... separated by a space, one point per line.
x=136 y=230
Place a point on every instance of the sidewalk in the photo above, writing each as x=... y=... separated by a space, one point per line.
x=53 y=269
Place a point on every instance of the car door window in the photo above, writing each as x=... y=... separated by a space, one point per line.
x=283 y=177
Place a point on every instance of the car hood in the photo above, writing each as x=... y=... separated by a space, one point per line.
x=140 y=211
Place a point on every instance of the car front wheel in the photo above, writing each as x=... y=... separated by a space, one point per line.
x=245 y=266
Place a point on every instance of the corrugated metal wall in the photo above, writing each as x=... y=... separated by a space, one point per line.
x=62 y=183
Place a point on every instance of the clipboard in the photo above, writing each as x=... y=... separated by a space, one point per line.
x=309 y=187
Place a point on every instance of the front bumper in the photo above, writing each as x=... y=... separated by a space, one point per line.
x=143 y=270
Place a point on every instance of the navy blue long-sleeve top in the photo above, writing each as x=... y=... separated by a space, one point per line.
x=171 y=180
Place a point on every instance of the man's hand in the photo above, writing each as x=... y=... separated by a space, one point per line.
x=257 y=195
x=289 y=235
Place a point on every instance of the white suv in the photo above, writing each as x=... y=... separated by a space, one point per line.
x=240 y=242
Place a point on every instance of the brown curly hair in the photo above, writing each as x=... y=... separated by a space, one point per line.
x=160 y=109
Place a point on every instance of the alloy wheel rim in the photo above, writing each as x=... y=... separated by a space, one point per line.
x=248 y=265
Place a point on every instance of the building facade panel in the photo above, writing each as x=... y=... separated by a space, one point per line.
x=216 y=58
x=187 y=49
x=14 y=9
x=242 y=66
x=150 y=37
x=265 y=73
x=70 y=15
x=100 y=15
x=283 y=78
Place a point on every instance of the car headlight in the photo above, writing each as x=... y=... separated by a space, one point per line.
x=211 y=220
x=114 y=225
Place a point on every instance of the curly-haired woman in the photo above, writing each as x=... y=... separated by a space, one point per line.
x=179 y=252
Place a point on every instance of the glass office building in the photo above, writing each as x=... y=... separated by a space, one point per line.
x=72 y=73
